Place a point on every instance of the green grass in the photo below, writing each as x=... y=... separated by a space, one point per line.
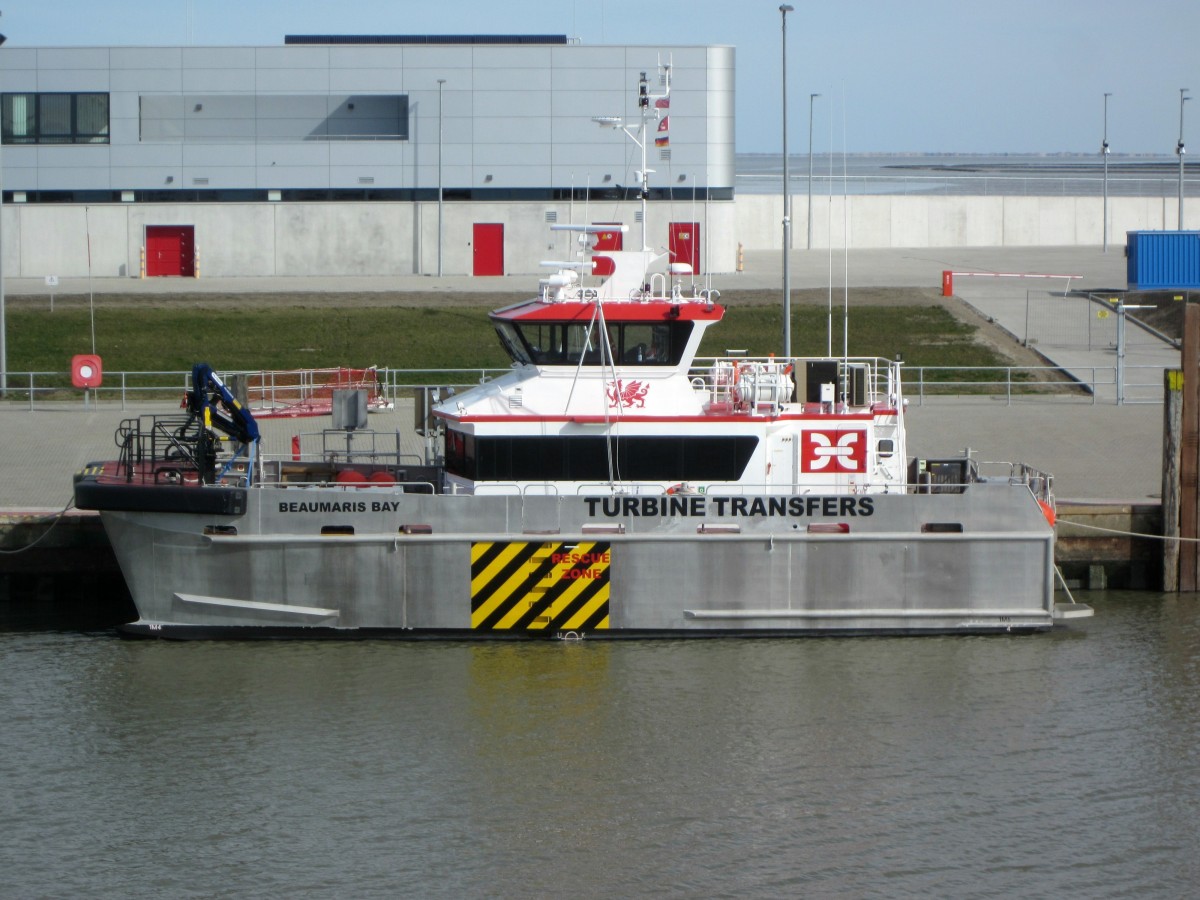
x=130 y=339
x=160 y=339
x=923 y=335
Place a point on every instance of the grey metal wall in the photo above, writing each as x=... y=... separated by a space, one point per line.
x=515 y=116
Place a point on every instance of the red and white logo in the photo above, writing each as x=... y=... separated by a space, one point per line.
x=627 y=395
x=833 y=452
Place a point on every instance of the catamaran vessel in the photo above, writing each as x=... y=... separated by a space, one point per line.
x=611 y=484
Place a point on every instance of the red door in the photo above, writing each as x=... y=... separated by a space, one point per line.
x=685 y=244
x=606 y=240
x=171 y=250
x=488 y=248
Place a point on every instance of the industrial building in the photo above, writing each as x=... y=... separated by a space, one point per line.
x=345 y=155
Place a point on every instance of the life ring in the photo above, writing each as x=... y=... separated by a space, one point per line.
x=1048 y=512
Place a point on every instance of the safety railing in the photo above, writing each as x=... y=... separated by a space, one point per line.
x=149 y=387
x=1086 y=384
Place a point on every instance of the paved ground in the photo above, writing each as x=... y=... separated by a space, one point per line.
x=1095 y=450
x=763 y=270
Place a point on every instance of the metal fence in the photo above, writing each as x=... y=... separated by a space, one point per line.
x=1088 y=384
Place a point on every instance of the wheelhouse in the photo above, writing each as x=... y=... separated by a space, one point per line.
x=574 y=334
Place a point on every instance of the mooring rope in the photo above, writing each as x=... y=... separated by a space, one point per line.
x=57 y=517
x=1138 y=534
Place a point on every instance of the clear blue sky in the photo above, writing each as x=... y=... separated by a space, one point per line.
x=963 y=76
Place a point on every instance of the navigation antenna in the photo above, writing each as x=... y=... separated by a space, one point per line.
x=650 y=106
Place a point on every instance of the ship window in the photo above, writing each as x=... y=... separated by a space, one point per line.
x=513 y=346
x=337 y=529
x=659 y=458
x=645 y=344
x=562 y=344
x=886 y=448
x=573 y=343
x=222 y=530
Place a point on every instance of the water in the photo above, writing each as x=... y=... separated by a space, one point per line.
x=1065 y=174
x=1064 y=764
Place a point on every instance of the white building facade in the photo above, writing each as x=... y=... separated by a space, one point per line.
x=375 y=155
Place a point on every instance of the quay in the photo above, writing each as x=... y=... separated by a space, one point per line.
x=1105 y=457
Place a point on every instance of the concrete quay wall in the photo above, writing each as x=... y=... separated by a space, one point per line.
x=394 y=239
x=884 y=221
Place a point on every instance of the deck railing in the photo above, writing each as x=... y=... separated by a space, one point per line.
x=1092 y=384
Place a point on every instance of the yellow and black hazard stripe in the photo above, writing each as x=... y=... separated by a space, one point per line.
x=553 y=586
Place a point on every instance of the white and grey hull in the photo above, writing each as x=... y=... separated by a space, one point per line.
x=382 y=563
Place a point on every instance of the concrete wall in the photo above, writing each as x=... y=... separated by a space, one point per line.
x=908 y=220
x=391 y=238
x=339 y=239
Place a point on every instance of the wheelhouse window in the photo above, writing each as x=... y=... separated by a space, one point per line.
x=659 y=458
x=575 y=343
x=54 y=118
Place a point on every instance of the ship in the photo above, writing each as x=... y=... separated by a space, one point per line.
x=611 y=484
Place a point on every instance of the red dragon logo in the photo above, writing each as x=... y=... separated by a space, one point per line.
x=627 y=395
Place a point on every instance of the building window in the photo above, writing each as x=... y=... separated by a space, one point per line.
x=272 y=118
x=55 y=118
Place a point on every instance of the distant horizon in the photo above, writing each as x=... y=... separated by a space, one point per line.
x=1188 y=164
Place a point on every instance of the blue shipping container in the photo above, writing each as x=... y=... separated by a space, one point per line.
x=1162 y=260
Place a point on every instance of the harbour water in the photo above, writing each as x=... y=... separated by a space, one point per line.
x=1063 y=764
x=1057 y=174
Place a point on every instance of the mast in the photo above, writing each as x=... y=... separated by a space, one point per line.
x=648 y=109
x=649 y=106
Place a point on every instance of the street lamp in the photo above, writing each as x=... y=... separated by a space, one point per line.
x=787 y=205
x=440 y=82
x=1104 y=153
x=811 y=97
x=1179 y=150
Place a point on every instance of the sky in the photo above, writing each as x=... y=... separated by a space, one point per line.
x=922 y=76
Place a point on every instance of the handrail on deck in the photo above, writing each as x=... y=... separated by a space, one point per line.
x=1083 y=383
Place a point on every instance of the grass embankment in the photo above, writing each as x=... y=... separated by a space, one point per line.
x=163 y=339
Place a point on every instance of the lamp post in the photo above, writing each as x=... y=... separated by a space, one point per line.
x=440 y=82
x=811 y=98
x=1104 y=153
x=1179 y=150
x=784 y=9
